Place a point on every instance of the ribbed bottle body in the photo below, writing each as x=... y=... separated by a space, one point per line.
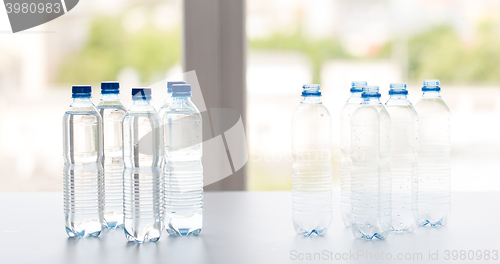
x=311 y=169
x=183 y=170
x=345 y=161
x=404 y=170
x=371 y=172
x=83 y=173
x=112 y=116
x=143 y=184
x=434 y=176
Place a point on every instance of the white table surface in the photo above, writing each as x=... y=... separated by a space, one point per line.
x=242 y=227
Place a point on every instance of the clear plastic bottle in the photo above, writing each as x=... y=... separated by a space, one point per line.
x=183 y=170
x=143 y=181
x=112 y=112
x=83 y=177
x=345 y=147
x=371 y=172
x=312 y=168
x=404 y=178
x=434 y=179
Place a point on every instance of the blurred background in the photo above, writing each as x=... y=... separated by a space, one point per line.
x=289 y=43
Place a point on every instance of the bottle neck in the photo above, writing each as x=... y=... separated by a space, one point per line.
x=371 y=100
x=81 y=102
x=141 y=102
x=398 y=96
x=110 y=97
x=311 y=100
x=356 y=94
x=180 y=98
x=431 y=94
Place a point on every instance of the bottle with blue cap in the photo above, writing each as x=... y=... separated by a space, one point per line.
x=312 y=168
x=112 y=112
x=183 y=170
x=434 y=177
x=345 y=147
x=83 y=172
x=404 y=125
x=371 y=172
x=143 y=181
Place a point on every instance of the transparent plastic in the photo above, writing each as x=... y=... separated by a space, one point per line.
x=371 y=172
x=112 y=112
x=143 y=182
x=183 y=170
x=345 y=148
x=83 y=173
x=404 y=178
x=312 y=169
x=434 y=179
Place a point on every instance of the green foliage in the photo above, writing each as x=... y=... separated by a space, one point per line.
x=109 y=48
x=441 y=54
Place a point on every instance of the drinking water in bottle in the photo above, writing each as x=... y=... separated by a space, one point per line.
x=371 y=172
x=404 y=125
x=143 y=182
x=83 y=173
x=183 y=170
x=112 y=112
x=312 y=168
x=345 y=148
x=434 y=198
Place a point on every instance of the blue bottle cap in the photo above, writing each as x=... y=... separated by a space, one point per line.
x=181 y=90
x=431 y=85
x=398 y=88
x=311 y=90
x=370 y=91
x=110 y=88
x=81 y=91
x=141 y=93
x=170 y=84
x=357 y=86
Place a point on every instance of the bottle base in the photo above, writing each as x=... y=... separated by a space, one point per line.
x=370 y=234
x=183 y=232
x=428 y=223
x=151 y=235
x=113 y=220
x=85 y=230
x=308 y=233
x=184 y=224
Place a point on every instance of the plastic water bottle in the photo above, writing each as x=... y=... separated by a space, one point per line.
x=371 y=172
x=312 y=168
x=83 y=178
x=183 y=170
x=143 y=182
x=345 y=147
x=112 y=112
x=434 y=198
x=404 y=178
